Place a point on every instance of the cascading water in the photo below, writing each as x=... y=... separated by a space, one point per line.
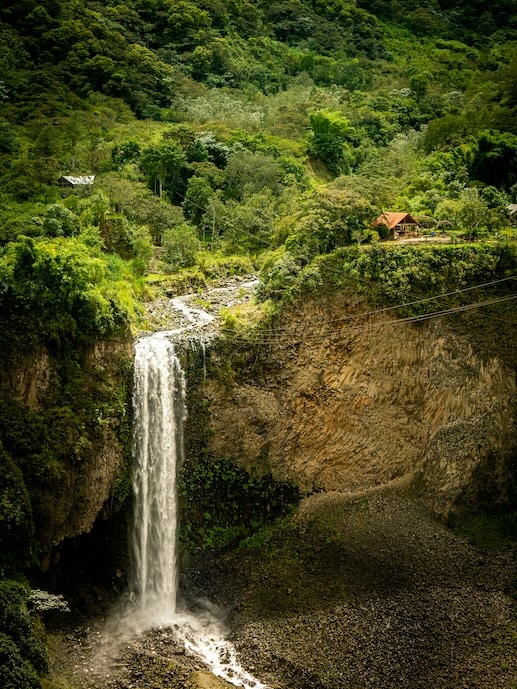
x=159 y=415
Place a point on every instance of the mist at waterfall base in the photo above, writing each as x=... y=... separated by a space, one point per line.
x=159 y=416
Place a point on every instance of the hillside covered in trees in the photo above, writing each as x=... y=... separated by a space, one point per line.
x=151 y=146
x=242 y=129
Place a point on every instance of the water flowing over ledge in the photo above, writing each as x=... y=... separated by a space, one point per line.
x=159 y=415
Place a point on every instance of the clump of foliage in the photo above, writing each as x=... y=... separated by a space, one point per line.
x=59 y=289
x=83 y=399
x=222 y=503
x=16 y=522
x=22 y=651
x=390 y=274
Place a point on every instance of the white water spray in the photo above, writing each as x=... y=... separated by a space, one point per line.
x=159 y=415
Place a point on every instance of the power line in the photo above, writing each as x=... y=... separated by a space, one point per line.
x=206 y=210
x=271 y=336
x=385 y=309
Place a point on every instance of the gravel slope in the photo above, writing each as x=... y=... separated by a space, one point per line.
x=362 y=591
x=368 y=591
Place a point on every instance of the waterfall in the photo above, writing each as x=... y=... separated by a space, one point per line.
x=159 y=415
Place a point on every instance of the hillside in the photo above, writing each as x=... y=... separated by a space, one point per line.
x=152 y=147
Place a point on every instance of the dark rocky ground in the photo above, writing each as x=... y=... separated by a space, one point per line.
x=375 y=594
x=354 y=592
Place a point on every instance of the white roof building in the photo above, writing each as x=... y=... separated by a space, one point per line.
x=76 y=181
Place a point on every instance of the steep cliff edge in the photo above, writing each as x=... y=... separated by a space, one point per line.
x=336 y=402
x=64 y=422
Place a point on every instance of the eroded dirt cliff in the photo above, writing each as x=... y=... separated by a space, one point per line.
x=344 y=401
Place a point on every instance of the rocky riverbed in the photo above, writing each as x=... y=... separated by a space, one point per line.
x=355 y=591
x=199 y=310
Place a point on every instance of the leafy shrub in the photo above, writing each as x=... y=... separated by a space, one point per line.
x=216 y=266
x=391 y=274
x=21 y=652
x=223 y=503
x=181 y=244
x=16 y=526
x=60 y=288
x=59 y=221
x=15 y=671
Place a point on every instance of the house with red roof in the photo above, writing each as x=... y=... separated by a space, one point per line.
x=399 y=224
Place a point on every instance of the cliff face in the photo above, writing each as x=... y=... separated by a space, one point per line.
x=330 y=404
x=344 y=407
x=68 y=411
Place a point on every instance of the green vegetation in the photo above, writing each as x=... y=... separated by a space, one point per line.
x=22 y=651
x=488 y=531
x=226 y=138
x=223 y=504
x=398 y=275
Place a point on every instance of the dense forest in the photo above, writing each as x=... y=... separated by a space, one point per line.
x=209 y=138
x=241 y=128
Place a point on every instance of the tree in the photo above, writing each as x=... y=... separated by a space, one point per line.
x=163 y=166
x=332 y=218
x=197 y=197
x=249 y=224
x=21 y=652
x=184 y=21
x=8 y=140
x=249 y=173
x=139 y=205
x=468 y=213
x=58 y=221
x=128 y=152
x=495 y=159
x=181 y=244
x=332 y=139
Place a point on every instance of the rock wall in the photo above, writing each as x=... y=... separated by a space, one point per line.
x=72 y=493
x=342 y=401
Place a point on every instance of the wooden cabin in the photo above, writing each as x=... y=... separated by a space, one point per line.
x=399 y=224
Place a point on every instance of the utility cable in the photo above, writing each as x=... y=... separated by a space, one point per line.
x=271 y=337
x=206 y=210
x=415 y=302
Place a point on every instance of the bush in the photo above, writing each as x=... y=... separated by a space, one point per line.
x=21 y=652
x=16 y=526
x=56 y=289
x=223 y=503
x=15 y=672
x=181 y=244
x=58 y=221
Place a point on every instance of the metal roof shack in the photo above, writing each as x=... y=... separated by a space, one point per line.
x=78 y=181
x=398 y=224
